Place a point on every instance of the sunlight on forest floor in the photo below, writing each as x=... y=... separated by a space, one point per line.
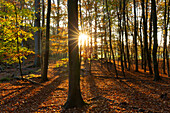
x=137 y=92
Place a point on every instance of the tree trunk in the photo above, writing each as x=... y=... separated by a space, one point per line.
x=141 y=44
x=150 y=33
x=147 y=55
x=43 y=22
x=135 y=37
x=95 y=30
x=104 y=24
x=166 y=33
x=37 y=33
x=155 y=45
x=17 y=46
x=74 y=95
x=58 y=16
x=126 y=34
x=110 y=40
x=46 y=54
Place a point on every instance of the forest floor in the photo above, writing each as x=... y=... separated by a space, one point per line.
x=136 y=92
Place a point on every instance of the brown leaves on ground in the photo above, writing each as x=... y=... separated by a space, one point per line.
x=137 y=92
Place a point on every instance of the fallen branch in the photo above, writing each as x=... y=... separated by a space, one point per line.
x=25 y=79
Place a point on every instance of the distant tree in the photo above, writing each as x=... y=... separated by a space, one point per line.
x=141 y=44
x=126 y=34
x=41 y=44
x=74 y=95
x=165 y=51
x=145 y=18
x=37 y=33
x=155 y=45
x=135 y=36
x=46 y=53
x=110 y=35
x=95 y=32
x=120 y=36
x=58 y=16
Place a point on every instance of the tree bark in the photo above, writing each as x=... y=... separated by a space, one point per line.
x=135 y=37
x=155 y=45
x=147 y=55
x=126 y=34
x=58 y=16
x=37 y=33
x=74 y=95
x=41 y=45
x=121 y=41
x=110 y=40
x=141 y=44
x=46 y=55
x=95 y=30
x=166 y=33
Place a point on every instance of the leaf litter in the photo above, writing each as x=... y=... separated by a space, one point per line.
x=137 y=92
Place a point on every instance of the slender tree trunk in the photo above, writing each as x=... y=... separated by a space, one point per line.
x=95 y=32
x=135 y=37
x=120 y=41
x=74 y=95
x=104 y=25
x=110 y=40
x=166 y=33
x=150 y=33
x=90 y=25
x=37 y=33
x=126 y=34
x=80 y=49
x=141 y=44
x=155 y=45
x=43 y=21
x=17 y=47
x=46 y=55
x=147 y=55
x=165 y=42
x=58 y=16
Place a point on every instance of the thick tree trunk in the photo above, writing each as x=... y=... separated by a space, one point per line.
x=37 y=33
x=46 y=55
x=74 y=95
x=155 y=45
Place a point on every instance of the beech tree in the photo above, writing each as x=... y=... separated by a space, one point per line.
x=37 y=33
x=135 y=36
x=147 y=55
x=74 y=94
x=155 y=45
x=46 y=53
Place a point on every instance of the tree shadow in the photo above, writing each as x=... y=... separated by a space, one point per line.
x=139 y=88
x=31 y=96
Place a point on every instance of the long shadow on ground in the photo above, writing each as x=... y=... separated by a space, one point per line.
x=31 y=96
x=141 y=91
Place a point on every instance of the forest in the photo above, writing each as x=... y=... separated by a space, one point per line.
x=83 y=56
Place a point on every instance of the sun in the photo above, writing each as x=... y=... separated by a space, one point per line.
x=83 y=38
